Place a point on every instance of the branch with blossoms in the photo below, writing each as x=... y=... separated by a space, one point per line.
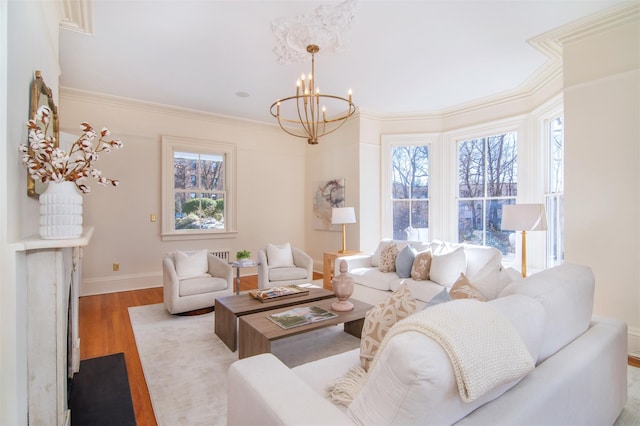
x=48 y=163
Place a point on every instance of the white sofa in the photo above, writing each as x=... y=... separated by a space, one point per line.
x=481 y=264
x=579 y=377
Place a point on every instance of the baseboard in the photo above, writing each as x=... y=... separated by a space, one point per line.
x=102 y=285
x=633 y=342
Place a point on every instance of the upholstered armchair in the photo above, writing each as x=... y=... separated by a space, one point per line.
x=283 y=265
x=194 y=279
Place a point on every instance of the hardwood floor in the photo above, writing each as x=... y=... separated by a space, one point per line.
x=105 y=329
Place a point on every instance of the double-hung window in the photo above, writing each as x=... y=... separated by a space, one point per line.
x=554 y=194
x=487 y=180
x=410 y=192
x=198 y=196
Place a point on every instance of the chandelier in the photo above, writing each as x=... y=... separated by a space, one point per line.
x=302 y=115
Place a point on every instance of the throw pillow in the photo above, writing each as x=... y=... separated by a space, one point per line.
x=446 y=268
x=421 y=266
x=375 y=258
x=279 y=255
x=388 y=258
x=404 y=261
x=379 y=320
x=462 y=289
x=191 y=264
x=441 y=297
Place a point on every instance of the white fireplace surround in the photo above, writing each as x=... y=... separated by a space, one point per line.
x=53 y=274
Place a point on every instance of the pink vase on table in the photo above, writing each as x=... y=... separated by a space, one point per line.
x=343 y=289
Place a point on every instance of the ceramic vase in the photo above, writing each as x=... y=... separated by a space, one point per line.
x=343 y=289
x=60 y=211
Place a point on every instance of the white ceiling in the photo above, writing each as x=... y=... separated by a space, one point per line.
x=402 y=56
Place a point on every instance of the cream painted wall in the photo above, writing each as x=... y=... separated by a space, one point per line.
x=334 y=157
x=29 y=42
x=602 y=178
x=270 y=187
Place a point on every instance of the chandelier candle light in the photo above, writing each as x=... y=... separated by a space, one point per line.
x=302 y=116
x=524 y=217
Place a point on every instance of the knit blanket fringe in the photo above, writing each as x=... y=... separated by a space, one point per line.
x=483 y=346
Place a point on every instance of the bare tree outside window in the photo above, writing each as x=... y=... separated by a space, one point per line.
x=487 y=180
x=199 y=190
x=410 y=189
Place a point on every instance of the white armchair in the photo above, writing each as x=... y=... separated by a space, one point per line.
x=283 y=265
x=194 y=279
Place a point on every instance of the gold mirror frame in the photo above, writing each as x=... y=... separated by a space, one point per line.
x=41 y=94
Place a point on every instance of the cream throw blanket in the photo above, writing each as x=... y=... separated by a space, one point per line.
x=484 y=348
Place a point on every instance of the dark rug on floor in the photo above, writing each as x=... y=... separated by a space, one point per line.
x=100 y=393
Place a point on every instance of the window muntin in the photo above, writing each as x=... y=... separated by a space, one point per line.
x=409 y=189
x=198 y=181
x=554 y=194
x=487 y=180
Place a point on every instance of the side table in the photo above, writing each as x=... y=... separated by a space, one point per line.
x=239 y=265
x=328 y=266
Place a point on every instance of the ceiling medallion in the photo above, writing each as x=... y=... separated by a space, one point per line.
x=323 y=28
x=302 y=116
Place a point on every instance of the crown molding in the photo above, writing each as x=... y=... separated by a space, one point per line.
x=76 y=15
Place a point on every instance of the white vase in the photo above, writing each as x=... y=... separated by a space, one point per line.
x=60 y=211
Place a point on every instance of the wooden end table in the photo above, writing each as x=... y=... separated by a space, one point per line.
x=228 y=309
x=256 y=331
x=328 y=266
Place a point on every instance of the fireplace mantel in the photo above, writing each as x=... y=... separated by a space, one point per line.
x=53 y=275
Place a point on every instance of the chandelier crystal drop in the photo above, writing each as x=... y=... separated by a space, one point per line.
x=303 y=116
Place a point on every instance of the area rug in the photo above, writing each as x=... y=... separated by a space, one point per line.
x=100 y=393
x=630 y=416
x=185 y=364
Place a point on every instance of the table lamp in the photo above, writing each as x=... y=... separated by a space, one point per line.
x=524 y=217
x=342 y=216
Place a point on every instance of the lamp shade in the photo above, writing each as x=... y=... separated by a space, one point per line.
x=340 y=215
x=524 y=217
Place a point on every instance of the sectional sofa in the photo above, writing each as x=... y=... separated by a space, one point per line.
x=579 y=375
x=482 y=265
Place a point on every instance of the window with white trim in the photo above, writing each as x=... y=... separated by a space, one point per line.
x=410 y=192
x=554 y=193
x=487 y=180
x=199 y=182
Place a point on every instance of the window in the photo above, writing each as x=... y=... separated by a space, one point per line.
x=554 y=194
x=487 y=180
x=198 y=196
x=410 y=192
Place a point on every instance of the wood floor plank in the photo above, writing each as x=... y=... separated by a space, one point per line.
x=105 y=329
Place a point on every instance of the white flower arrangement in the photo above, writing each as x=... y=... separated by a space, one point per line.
x=48 y=163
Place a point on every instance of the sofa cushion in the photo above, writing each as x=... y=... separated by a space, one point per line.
x=404 y=261
x=388 y=258
x=381 y=318
x=191 y=264
x=566 y=293
x=279 y=255
x=372 y=277
x=463 y=289
x=200 y=285
x=287 y=273
x=421 y=265
x=446 y=268
x=420 y=290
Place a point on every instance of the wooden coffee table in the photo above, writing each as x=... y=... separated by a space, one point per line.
x=228 y=309
x=256 y=331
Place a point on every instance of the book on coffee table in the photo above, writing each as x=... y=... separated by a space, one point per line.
x=300 y=316
x=277 y=293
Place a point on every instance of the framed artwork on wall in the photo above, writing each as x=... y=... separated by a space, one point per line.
x=327 y=195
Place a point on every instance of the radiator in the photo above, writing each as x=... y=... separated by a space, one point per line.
x=222 y=254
